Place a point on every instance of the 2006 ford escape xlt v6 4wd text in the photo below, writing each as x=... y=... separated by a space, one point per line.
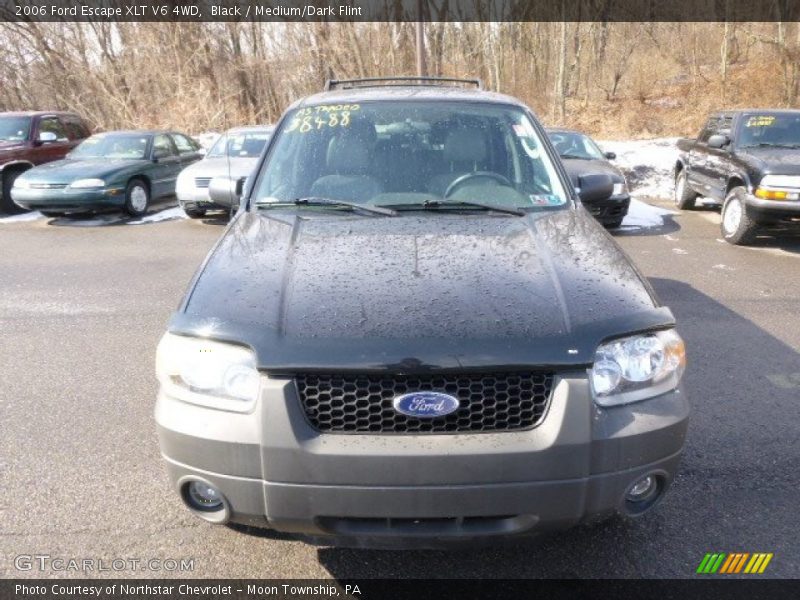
x=413 y=334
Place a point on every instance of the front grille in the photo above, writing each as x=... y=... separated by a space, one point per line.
x=202 y=182
x=363 y=403
x=48 y=186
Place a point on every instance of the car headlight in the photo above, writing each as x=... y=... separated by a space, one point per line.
x=778 y=187
x=619 y=189
x=87 y=183
x=637 y=367
x=208 y=373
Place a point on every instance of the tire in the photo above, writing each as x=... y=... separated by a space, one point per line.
x=615 y=224
x=137 y=197
x=684 y=196
x=737 y=227
x=194 y=213
x=6 y=203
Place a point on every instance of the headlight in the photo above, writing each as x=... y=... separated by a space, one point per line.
x=637 y=367
x=619 y=189
x=778 y=187
x=208 y=373
x=87 y=183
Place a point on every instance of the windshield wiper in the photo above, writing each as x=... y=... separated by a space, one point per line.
x=319 y=201
x=435 y=205
x=576 y=156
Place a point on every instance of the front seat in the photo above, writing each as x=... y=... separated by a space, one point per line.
x=348 y=162
x=464 y=150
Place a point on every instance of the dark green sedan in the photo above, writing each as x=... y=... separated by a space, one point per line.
x=118 y=169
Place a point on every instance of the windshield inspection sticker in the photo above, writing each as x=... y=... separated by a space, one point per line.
x=760 y=121
x=314 y=118
x=545 y=200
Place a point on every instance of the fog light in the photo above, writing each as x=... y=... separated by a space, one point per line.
x=204 y=496
x=641 y=489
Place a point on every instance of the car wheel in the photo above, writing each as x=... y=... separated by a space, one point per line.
x=615 y=224
x=737 y=227
x=6 y=203
x=137 y=197
x=684 y=195
x=194 y=213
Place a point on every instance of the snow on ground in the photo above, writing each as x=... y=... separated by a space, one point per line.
x=647 y=165
x=644 y=216
x=22 y=218
x=170 y=214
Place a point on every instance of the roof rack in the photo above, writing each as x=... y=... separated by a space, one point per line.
x=346 y=84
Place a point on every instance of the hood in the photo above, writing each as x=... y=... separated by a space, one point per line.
x=417 y=292
x=778 y=161
x=578 y=166
x=67 y=170
x=214 y=167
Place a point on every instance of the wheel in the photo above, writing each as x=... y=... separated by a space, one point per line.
x=137 y=197
x=737 y=227
x=194 y=212
x=684 y=195
x=615 y=224
x=6 y=203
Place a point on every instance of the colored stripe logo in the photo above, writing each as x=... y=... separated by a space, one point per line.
x=734 y=562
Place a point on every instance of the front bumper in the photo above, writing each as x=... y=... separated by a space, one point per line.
x=760 y=209
x=611 y=209
x=276 y=471
x=68 y=200
x=197 y=198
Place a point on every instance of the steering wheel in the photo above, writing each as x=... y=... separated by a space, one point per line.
x=459 y=181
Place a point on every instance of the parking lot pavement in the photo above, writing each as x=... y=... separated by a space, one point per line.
x=81 y=311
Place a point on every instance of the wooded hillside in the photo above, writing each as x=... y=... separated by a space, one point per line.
x=611 y=79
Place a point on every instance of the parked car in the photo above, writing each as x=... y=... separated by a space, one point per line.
x=234 y=154
x=28 y=139
x=411 y=333
x=118 y=169
x=581 y=155
x=748 y=160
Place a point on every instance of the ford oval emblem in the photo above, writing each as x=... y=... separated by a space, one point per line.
x=425 y=405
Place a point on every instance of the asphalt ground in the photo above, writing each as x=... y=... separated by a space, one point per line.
x=81 y=312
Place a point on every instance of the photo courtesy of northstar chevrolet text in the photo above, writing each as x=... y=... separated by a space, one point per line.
x=391 y=299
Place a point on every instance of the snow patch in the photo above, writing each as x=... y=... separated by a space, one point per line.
x=22 y=217
x=170 y=214
x=647 y=165
x=644 y=216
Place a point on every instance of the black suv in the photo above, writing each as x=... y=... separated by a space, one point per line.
x=748 y=160
x=413 y=333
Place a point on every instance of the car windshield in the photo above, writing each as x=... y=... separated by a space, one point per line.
x=240 y=144
x=575 y=145
x=14 y=129
x=113 y=145
x=770 y=129
x=411 y=153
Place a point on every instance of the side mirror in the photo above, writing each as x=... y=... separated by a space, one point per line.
x=610 y=155
x=202 y=151
x=226 y=191
x=718 y=141
x=595 y=186
x=47 y=137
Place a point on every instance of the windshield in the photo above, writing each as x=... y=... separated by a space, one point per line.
x=575 y=145
x=394 y=153
x=765 y=129
x=14 y=129
x=242 y=144
x=113 y=145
